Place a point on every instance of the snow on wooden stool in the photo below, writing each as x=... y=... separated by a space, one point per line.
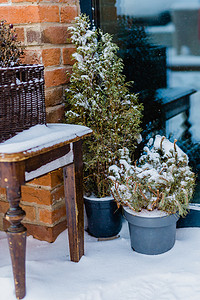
x=32 y=153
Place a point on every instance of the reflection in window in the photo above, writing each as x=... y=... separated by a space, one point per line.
x=159 y=42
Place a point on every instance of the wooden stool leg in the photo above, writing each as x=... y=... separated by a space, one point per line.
x=16 y=233
x=73 y=184
x=17 y=246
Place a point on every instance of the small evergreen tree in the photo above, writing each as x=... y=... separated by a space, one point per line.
x=99 y=98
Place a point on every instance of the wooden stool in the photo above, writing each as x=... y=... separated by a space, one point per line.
x=30 y=154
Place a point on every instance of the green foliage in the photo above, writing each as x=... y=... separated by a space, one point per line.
x=10 y=48
x=161 y=180
x=99 y=98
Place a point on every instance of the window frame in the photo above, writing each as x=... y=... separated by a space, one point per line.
x=91 y=9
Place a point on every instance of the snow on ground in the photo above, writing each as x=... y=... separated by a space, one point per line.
x=110 y=270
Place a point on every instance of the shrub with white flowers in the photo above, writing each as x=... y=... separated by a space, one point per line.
x=160 y=180
x=99 y=98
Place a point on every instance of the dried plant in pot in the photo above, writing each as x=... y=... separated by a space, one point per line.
x=99 y=98
x=21 y=87
x=153 y=192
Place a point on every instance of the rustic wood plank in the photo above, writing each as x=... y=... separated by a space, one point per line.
x=73 y=184
x=35 y=162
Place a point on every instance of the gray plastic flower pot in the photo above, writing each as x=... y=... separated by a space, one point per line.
x=151 y=235
x=103 y=217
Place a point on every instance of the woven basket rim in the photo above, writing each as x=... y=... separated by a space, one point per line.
x=22 y=66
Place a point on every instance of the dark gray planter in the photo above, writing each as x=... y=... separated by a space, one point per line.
x=104 y=219
x=151 y=235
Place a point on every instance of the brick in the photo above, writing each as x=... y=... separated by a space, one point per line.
x=33 y=36
x=69 y=2
x=20 y=34
x=6 y=224
x=30 y=14
x=46 y=233
x=54 y=96
x=52 y=216
x=20 y=14
x=42 y=232
x=36 y=195
x=4 y=206
x=49 y=13
x=30 y=212
x=56 y=35
x=41 y=196
x=67 y=56
x=58 y=194
x=68 y=13
x=50 y=180
x=55 y=114
x=55 y=77
x=2 y=191
x=19 y=1
x=57 y=177
x=51 y=57
x=32 y=57
x=4 y=1
x=1 y=222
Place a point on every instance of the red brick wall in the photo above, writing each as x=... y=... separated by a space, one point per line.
x=42 y=28
x=44 y=204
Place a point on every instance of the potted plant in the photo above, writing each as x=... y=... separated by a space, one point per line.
x=153 y=192
x=22 y=87
x=99 y=98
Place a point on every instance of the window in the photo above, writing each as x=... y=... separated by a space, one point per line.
x=170 y=25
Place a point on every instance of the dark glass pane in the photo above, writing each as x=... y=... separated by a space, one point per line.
x=159 y=42
x=86 y=7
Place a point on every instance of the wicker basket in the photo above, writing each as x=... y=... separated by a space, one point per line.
x=22 y=100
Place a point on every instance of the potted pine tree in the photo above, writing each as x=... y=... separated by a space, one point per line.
x=153 y=193
x=99 y=98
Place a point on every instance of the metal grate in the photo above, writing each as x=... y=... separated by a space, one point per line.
x=22 y=100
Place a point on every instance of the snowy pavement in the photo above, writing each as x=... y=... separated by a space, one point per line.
x=110 y=270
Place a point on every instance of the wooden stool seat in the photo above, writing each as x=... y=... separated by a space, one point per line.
x=32 y=153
